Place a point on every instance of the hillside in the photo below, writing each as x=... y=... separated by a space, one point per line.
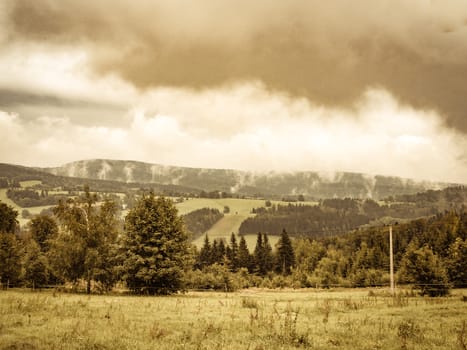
x=313 y=185
x=11 y=175
x=336 y=216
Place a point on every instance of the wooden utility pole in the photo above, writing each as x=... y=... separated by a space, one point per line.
x=391 y=260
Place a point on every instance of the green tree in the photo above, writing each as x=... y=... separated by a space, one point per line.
x=36 y=266
x=221 y=252
x=10 y=259
x=285 y=257
x=8 y=221
x=424 y=269
x=268 y=256
x=155 y=247
x=263 y=259
x=205 y=254
x=244 y=258
x=85 y=246
x=308 y=253
x=456 y=262
x=233 y=253
x=330 y=268
x=42 y=228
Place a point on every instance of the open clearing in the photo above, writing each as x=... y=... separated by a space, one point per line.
x=240 y=210
x=250 y=319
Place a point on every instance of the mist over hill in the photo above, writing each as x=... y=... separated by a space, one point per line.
x=269 y=184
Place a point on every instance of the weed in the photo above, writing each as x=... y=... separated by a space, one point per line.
x=19 y=346
x=462 y=336
x=351 y=305
x=406 y=330
x=325 y=309
x=250 y=303
x=157 y=332
x=288 y=333
x=398 y=300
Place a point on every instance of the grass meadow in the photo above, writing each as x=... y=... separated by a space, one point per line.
x=249 y=319
x=240 y=209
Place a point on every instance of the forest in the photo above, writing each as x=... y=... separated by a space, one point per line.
x=85 y=245
x=336 y=216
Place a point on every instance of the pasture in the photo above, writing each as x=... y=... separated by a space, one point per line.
x=248 y=319
x=240 y=209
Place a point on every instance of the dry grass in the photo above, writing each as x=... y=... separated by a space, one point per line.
x=252 y=319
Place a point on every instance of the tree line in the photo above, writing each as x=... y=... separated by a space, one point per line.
x=336 y=215
x=236 y=255
x=85 y=243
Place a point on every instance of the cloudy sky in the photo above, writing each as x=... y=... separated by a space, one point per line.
x=373 y=86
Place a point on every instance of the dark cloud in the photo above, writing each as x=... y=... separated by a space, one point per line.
x=328 y=52
x=31 y=105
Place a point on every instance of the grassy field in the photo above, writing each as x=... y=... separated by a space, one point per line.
x=32 y=210
x=250 y=319
x=240 y=209
x=30 y=183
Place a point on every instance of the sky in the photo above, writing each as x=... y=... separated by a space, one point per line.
x=368 y=86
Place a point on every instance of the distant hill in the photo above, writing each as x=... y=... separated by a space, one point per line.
x=11 y=175
x=312 y=185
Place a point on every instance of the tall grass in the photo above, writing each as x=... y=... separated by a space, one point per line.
x=252 y=319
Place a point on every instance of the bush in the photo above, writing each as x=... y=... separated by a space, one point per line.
x=217 y=277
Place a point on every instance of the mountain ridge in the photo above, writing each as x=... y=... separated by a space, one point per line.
x=313 y=184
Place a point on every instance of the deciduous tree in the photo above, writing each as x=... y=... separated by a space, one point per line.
x=425 y=270
x=84 y=248
x=8 y=221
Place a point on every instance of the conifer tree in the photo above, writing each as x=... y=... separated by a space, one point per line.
x=233 y=253
x=268 y=256
x=285 y=258
x=215 y=258
x=244 y=259
x=221 y=248
x=263 y=257
x=204 y=256
x=155 y=247
x=259 y=255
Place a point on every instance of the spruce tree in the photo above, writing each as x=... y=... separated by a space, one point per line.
x=244 y=259
x=263 y=258
x=268 y=256
x=221 y=253
x=285 y=258
x=259 y=255
x=155 y=247
x=233 y=253
x=204 y=256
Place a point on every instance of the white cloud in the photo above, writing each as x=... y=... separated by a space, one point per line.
x=63 y=72
x=245 y=126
